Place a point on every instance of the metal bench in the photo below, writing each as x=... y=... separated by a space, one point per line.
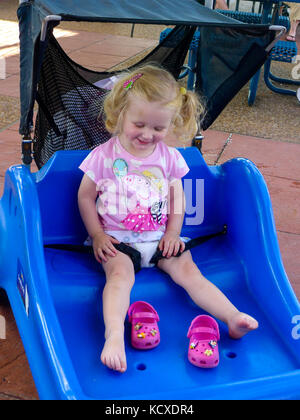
x=284 y=51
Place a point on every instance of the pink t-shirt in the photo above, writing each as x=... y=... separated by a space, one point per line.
x=133 y=191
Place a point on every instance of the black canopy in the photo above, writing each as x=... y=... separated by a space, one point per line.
x=182 y=13
x=166 y=12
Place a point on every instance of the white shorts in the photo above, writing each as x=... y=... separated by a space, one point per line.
x=147 y=250
x=145 y=242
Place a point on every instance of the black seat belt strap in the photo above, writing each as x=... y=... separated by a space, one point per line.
x=134 y=255
x=189 y=245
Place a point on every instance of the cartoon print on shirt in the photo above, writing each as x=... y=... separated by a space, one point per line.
x=146 y=192
x=120 y=168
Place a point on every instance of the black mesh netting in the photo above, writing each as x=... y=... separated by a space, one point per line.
x=69 y=113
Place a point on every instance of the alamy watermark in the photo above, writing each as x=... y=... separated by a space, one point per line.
x=2 y=68
x=194 y=202
x=2 y=328
x=138 y=195
x=296 y=69
x=296 y=328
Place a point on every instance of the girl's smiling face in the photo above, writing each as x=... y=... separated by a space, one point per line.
x=144 y=125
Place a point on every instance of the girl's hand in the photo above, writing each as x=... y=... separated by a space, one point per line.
x=171 y=244
x=103 y=246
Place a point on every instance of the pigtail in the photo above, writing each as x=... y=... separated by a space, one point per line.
x=113 y=108
x=187 y=122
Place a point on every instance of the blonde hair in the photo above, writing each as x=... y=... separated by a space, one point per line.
x=155 y=85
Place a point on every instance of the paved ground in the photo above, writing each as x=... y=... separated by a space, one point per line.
x=277 y=160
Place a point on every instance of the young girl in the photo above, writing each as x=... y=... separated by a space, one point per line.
x=135 y=180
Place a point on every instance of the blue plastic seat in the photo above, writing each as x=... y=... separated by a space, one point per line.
x=55 y=295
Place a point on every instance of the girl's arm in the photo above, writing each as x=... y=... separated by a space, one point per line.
x=171 y=243
x=87 y=195
x=102 y=243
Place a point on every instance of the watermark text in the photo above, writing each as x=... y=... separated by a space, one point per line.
x=296 y=329
x=2 y=68
x=296 y=68
x=2 y=328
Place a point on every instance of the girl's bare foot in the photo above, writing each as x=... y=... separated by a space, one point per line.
x=113 y=353
x=240 y=324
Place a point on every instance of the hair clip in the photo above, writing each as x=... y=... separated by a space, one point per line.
x=129 y=83
x=183 y=90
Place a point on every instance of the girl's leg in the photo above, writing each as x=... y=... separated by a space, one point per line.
x=116 y=299
x=185 y=273
x=293 y=29
x=221 y=4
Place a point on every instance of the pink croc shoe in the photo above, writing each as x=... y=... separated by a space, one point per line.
x=203 y=348
x=144 y=331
